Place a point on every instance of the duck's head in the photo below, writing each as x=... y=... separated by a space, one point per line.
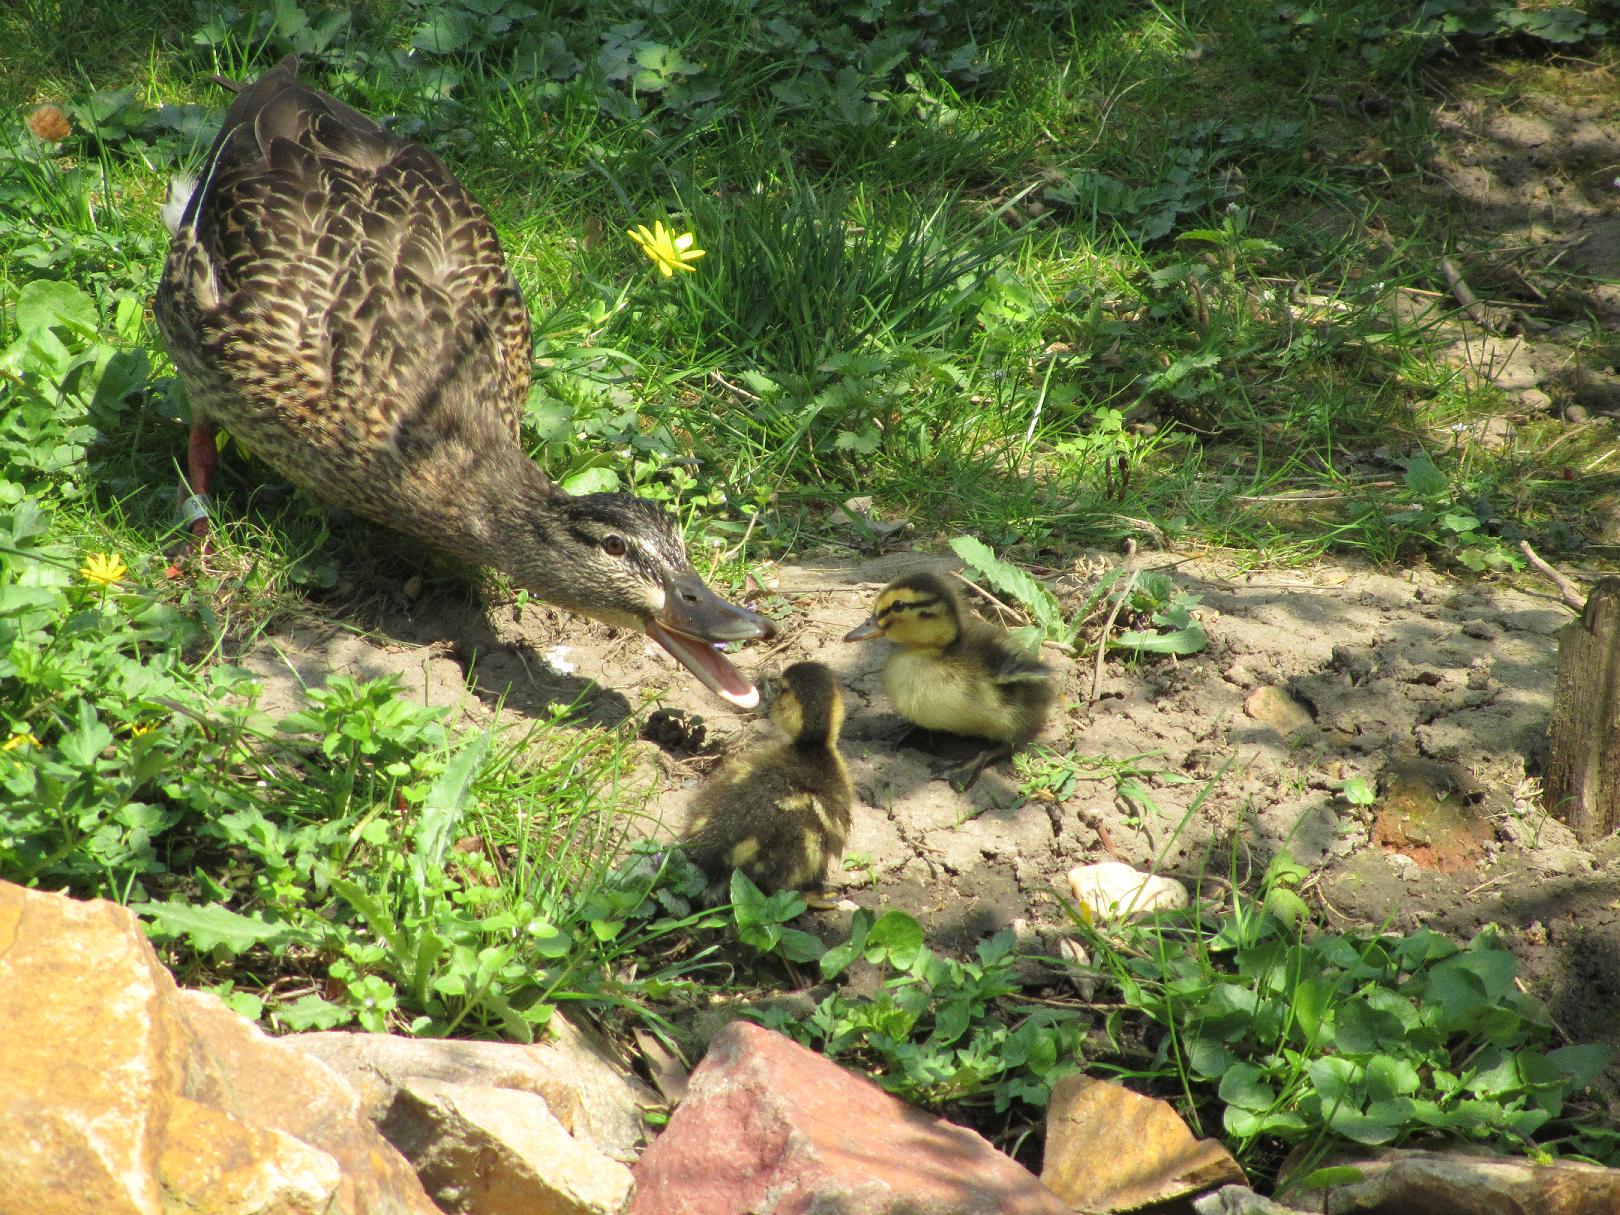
x=621 y=560
x=809 y=704
x=918 y=609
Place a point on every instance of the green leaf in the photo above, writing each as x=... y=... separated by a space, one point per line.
x=446 y=804
x=798 y=946
x=1011 y=580
x=1424 y=479
x=444 y=34
x=43 y=305
x=1583 y=1064
x=1388 y=1077
x=1245 y=1087
x=376 y=916
x=837 y=959
x=312 y=1012
x=592 y=481
x=1208 y=1057
x=1321 y=1179
x=896 y=938
x=209 y=927
x=1358 y=791
x=84 y=745
x=1312 y=1002
x=1189 y=640
x=1287 y=906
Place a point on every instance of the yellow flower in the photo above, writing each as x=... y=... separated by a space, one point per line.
x=103 y=569
x=666 y=250
x=25 y=739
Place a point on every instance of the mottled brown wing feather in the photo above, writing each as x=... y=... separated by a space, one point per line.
x=338 y=298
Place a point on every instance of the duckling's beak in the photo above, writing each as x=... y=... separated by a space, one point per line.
x=694 y=619
x=864 y=631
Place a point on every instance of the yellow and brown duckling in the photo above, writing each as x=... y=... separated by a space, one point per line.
x=335 y=298
x=780 y=813
x=954 y=672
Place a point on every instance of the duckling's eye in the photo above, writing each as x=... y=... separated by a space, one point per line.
x=613 y=544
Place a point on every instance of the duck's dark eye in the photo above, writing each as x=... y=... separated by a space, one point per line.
x=613 y=545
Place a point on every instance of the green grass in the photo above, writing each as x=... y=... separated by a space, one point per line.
x=1048 y=275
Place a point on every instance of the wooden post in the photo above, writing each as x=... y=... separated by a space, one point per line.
x=1582 y=783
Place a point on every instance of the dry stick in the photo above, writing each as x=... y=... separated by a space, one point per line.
x=1567 y=590
x=735 y=389
x=1059 y=646
x=1465 y=297
x=974 y=586
x=1102 y=642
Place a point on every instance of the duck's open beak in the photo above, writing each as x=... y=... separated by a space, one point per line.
x=693 y=621
x=864 y=631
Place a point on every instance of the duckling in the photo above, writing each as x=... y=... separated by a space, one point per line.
x=781 y=814
x=952 y=671
x=336 y=299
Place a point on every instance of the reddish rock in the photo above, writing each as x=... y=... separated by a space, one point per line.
x=770 y=1128
x=1423 y=815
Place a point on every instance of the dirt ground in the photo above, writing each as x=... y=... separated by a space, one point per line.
x=1438 y=694
x=1438 y=691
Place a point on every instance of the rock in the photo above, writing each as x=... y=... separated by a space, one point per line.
x=1077 y=963
x=1273 y=706
x=769 y=1128
x=590 y=1094
x=1239 y=1200
x=1109 y=1149
x=128 y=1095
x=1111 y=890
x=1533 y=400
x=1401 y=1181
x=488 y=1151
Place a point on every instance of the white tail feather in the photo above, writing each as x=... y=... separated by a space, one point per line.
x=181 y=186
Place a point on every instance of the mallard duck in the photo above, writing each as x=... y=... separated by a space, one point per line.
x=781 y=813
x=952 y=671
x=335 y=298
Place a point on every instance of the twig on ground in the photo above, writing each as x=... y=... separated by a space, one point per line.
x=1567 y=590
x=734 y=389
x=1102 y=642
x=1011 y=611
x=1465 y=296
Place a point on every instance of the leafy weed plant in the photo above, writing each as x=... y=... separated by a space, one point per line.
x=1301 y=1037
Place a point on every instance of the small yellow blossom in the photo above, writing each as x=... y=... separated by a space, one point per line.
x=103 y=569
x=666 y=250
x=25 y=739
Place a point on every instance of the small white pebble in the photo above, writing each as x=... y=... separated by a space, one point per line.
x=1111 y=890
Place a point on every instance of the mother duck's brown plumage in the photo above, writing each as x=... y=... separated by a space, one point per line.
x=336 y=299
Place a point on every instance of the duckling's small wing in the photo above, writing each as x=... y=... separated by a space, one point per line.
x=1004 y=658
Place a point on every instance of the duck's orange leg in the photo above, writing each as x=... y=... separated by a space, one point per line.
x=202 y=457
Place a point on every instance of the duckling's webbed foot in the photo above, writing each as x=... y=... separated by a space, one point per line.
x=962 y=776
x=905 y=735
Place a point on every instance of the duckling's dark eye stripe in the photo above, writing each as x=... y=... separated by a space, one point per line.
x=906 y=605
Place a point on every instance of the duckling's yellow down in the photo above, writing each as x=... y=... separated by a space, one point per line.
x=952 y=671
